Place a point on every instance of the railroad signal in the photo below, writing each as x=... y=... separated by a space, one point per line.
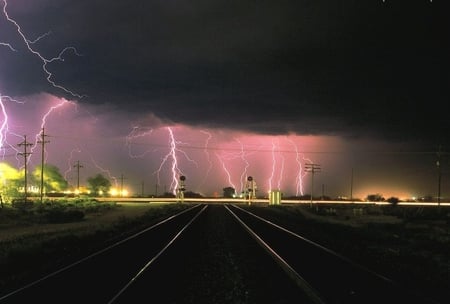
x=181 y=188
x=251 y=189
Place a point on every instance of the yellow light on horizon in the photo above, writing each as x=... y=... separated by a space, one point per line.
x=117 y=192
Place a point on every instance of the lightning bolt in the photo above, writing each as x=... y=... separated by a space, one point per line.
x=62 y=103
x=4 y=124
x=171 y=156
x=274 y=163
x=70 y=162
x=107 y=172
x=206 y=152
x=136 y=133
x=300 y=174
x=4 y=129
x=45 y=61
x=244 y=176
x=280 y=179
x=230 y=182
x=8 y=46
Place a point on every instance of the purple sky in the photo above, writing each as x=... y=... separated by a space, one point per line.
x=253 y=88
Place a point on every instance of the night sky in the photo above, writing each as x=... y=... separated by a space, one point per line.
x=244 y=87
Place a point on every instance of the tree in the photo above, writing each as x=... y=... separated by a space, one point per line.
x=375 y=197
x=229 y=192
x=53 y=180
x=10 y=181
x=393 y=200
x=99 y=185
x=191 y=194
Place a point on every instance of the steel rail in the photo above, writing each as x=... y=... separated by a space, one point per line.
x=291 y=272
x=147 y=265
x=52 y=274
x=328 y=250
x=333 y=253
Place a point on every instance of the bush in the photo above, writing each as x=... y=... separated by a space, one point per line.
x=393 y=200
x=64 y=216
x=22 y=204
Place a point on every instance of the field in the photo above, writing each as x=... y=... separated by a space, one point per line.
x=37 y=240
x=407 y=244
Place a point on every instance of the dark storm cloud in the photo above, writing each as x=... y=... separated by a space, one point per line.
x=335 y=67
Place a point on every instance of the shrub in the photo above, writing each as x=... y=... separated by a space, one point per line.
x=393 y=200
x=64 y=216
x=22 y=204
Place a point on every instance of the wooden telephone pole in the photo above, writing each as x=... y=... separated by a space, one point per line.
x=42 y=142
x=312 y=168
x=25 y=144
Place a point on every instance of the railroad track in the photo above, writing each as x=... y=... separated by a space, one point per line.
x=324 y=274
x=208 y=254
x=98 y=277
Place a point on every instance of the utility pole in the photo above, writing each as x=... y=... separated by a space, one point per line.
x=78 y=166
x=312 y=168
x=121 y=185
x=438 y=164
x=25 y=154
x=351 y=187
x=42 y=142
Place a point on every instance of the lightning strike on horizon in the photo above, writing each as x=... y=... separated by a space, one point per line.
x=280 y=178
x=70 y=162
x=110 y=176
x=274 y=162
x=300 y=175
x=208 y=157
x=244 y=175
x=174 y=166
x=175 y=169
x=227 y=172
x=229 y=156
x=3 y=125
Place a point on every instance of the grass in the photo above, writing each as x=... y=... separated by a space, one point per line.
x=41 y=238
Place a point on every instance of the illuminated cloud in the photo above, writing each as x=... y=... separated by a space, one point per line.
x=106 y=142
x=245 y=88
